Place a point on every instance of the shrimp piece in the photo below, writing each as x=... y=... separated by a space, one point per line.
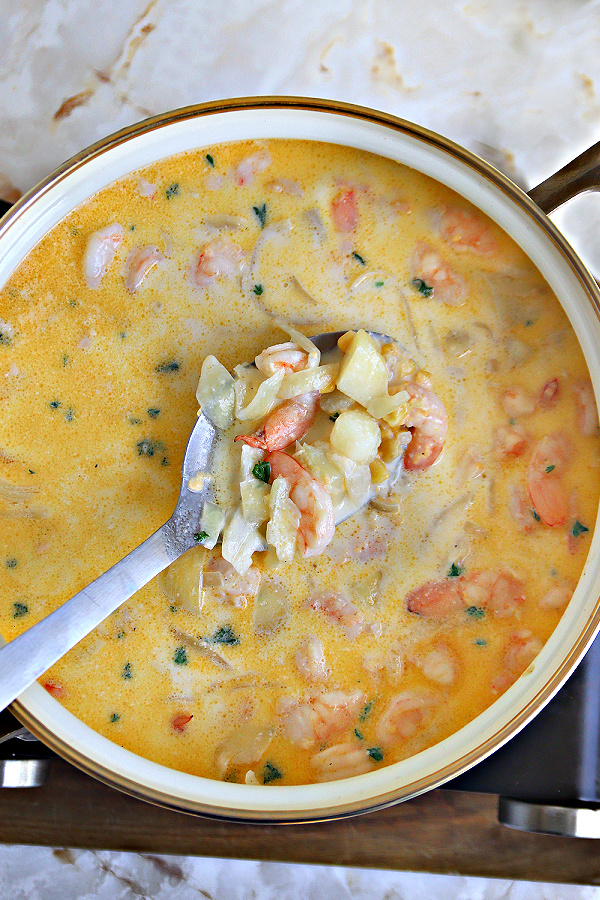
x=507 y=596
x=289 y=422
x=428 y=420
x=288 y=356
x=435 y=599
x=429 y=266
x=558 y=595
x=476 y=588
x=320 y=717
x=220 y=257
x=587 y=411
x=227 y=585
x=438 y=665
x=510 y=440
x=180 y=720
x=344 y=211
x=55 y=688
x=403 y=716
x=338 y=608
x=247 y=169
x=310 y=660
x=520 y=509
x=464 y=230
x=317 y=519
x=138 y=265
x=516 y=402
x=547 y=492
x=522 y=649
x=549 y=394
x=341 y=761
x=99 y=253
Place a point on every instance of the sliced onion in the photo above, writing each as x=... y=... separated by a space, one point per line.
x=240 y=540
x=317 y=378
x=263 y=401
x=216 y=393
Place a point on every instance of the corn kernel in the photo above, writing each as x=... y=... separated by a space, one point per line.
x=379 y=473
x=392 y=448
x=345 y=340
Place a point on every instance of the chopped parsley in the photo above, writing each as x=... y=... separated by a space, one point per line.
x=180 y=657
x=11 y=563
x=528 y=323
x=31 y=472
x=210 y=160
x=550 y=469
x=536 y=515
x=200 y=536
x=172 y=190
x=115 y=717
x=173 y=608
x=262 y=471
x=153 y=412
x=21 y=609
x=480 y=642
x=455 y=570
x=379 y=283
x=358 y=258
x=335 y=416
x=224 y=635
x=261 y=214
x=135 y=421
x=358 y=734
x=578 y=528
x=132 y=227
x=55 y=404
x=171 y=366
x=270 y=773
x=422 y=287
x=69 y=414
x=477 y=612
x=375 y=753
x=65 y=360
x=258 y=289
x=127 y=674
x=366 y=711
x=149 y=447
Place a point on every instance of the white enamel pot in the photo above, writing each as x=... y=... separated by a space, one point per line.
x=524 y=220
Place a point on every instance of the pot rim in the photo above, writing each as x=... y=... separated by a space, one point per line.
x=526 y=712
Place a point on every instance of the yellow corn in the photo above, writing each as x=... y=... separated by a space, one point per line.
x=392 y=448
x=379 y=473
x=345 y=340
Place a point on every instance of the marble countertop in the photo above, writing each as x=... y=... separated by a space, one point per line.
x=517 y=83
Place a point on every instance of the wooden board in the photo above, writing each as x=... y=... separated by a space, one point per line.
x=443 y=831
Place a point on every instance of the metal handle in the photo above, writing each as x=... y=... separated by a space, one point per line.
x=581 y=174
x=30 y=654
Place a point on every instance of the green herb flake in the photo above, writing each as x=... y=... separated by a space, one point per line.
x=528 y=323
x=536 y=515
x=149 y=447
x=55 y=404
x=65 y=360
x=261 y=214
x=210 y=160
x=258 y=289
x=171 y=366
x=153 y=412
x=335 y=416
x=578 y=528
x=74 y=231
x=180 y=657
x=366 y=711
x=21 y=609
x=224 y=635
x=262 y=471
x=480 y=642
x=132 y=227
x=200 y=536
x=31 y=472
x=69 y=414
x=11 y=563
x=375 y=753
x=115 y=717
x=550 y=469
x=455 y=570
x=122 y=335
x=120 y=635
x=425 y=289
x=358 y=258
x=127 y=674
x=133 y=420
x=476 y=612
x=379 y=283
x=172 y=190
x=270 y=773
x=358 y=734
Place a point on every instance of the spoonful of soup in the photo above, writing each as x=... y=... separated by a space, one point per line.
x=283 y=450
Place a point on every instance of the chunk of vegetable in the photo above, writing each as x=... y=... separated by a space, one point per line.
x=282 y=529
x=215 y=393
x=211 y=523
x=363 y=372
x=270 y=608
x=182 y=580
x=263 y=401
x=356 y=434
x=319 y=378
x=240 y=540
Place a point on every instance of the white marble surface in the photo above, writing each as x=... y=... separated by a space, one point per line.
x=518 y=83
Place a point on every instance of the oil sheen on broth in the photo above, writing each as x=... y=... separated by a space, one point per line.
x=426 y=606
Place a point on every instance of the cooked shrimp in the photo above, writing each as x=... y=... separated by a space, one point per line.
x=516 y=402
x=344 y=211
x=546 y=489
x=587 y=411
x=549 y=394
x=520 y=509
x=428 y=420
x=140 y=262
x=403 y=716
x=289 y=422
x=317 y=520
x=500 y=592
x=338 y=608
x=342 y=761
x=510 y=440
x=522 y=649
x=99 y=253
x=227 y=585
x=221 y=257
x=288 y=356
x=310 y=660
x=250 y=166
x=429 y=266
x=435 y=599
x=464 y=230
x=320 y=717
x=558 y=595
x=438 y=665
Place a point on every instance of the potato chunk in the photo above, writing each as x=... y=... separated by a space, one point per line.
x=182 y=581
x=363 y=373
x=356 y=434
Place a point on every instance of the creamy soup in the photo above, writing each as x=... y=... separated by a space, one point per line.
x=306 y=661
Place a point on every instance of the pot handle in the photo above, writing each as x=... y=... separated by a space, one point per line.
x=581 y=174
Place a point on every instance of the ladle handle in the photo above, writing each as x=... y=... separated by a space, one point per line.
x=29 y=655
x=579 y=175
